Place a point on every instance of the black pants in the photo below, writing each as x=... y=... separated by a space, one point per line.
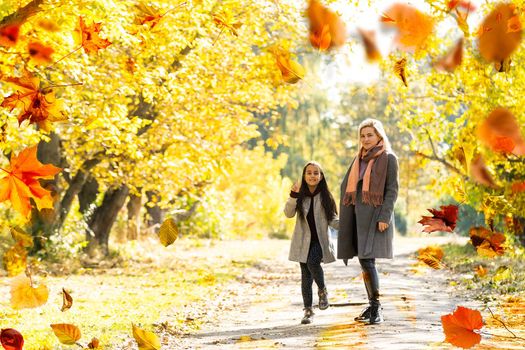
x=312 y=271
x=371 y=279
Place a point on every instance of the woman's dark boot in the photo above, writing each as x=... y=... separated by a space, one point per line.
x=323 y=299
x=376 y=316
x=308 y=315
x=364 y=316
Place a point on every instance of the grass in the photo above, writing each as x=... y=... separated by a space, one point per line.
x=165 y=290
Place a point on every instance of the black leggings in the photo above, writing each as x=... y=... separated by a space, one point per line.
x=371 y=279
x=312 y=271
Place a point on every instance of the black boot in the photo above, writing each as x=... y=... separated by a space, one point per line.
x=323 y=299
x=376 y=315
x=364 y=316
x=308 y=315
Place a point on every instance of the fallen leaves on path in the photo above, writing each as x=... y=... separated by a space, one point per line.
x=146 y=340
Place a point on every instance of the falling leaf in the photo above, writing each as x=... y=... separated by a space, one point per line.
x=327 y=30
x=36 y=104
x=21 y=237
x=9 y=35
x=480 y=271
x=88 y=37
x=486 y=242
x=501 y=132
x=291 y=71
x=15 y=260
x=24 y=295
x=94 y=344
x=452 y=59
x=21 y=182
x=147 y=15
x=11 y=339
x=369 y=41
x=480 y=173
x=39 y=53
x=498 y=43
x=67 y=300
x=399 y=69
x=48 y=25
x=413 y=26
x=225 y=19
x=442 y=220
x=168 y=232
x=431 y=256
x=459 y=327
x=66 y=333
x=518 y=187
x=146 y=340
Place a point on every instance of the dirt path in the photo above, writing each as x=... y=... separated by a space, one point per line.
x=263 y=308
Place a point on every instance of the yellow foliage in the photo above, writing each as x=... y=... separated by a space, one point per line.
x=24 y=295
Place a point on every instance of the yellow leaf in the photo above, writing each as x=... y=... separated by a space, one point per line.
x=15 y=260
x=146 y=340
x=24 y=295
x=244 y=338
x=22 y=237
x=66 y=333
x=168 y=232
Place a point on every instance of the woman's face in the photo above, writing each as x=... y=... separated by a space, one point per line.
x=312 y=175
x=369 y=137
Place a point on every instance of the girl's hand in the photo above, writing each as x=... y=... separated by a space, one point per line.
x=382 y=226
x=296 y=187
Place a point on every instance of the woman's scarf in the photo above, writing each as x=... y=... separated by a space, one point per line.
x=374 y=179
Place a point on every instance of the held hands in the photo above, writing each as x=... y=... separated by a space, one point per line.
x=382 y=226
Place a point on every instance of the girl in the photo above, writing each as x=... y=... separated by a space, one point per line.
x=316 y=209
x=368 y=193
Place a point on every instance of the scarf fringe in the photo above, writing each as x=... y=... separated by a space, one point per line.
x=373 y=198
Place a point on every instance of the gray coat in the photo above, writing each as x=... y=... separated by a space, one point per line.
x=300 y=244
x=358 y=230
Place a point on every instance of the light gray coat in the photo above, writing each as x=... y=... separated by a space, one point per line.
x=301 y=238
x=358 y=230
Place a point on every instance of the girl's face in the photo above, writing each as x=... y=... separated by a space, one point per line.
x=369 y=137
x=312 y=175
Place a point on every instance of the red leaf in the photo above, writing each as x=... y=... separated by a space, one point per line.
x=40 y=53
x=9 y=35
x=88 y=37
x=11 y=339
x=442 y=220
x=459 y=327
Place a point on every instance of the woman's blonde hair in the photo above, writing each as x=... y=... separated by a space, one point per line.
x=378 y=127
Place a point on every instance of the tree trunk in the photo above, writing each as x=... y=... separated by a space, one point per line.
x=102 y=220
x=87 y=195
x=134 y=221
x=43 y=222
x=156 y=214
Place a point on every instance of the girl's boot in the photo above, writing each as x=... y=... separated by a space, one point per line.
x=308 y=315
x=376 y=316
x=323 y=299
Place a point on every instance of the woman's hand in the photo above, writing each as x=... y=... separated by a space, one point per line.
x=296 y=187
x=382 y=226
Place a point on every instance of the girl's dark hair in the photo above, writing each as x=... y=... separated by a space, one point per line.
x=327 y=200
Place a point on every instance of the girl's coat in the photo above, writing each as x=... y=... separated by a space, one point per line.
x=302 y=236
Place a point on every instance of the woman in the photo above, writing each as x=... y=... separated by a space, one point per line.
x=366 y=226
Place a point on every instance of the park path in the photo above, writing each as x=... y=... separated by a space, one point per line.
x=262 y=309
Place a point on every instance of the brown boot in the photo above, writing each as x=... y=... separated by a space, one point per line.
x=308 y=315
x=323 y=299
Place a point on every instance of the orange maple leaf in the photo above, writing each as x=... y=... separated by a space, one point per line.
x=327 y=30
x=88 y=37
x=40 y=53
x=501 y=132
x=38 y=105
x=459 y=327
x=413 y=26
x=487 y=243
x=21 y=182
x=9 y=34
